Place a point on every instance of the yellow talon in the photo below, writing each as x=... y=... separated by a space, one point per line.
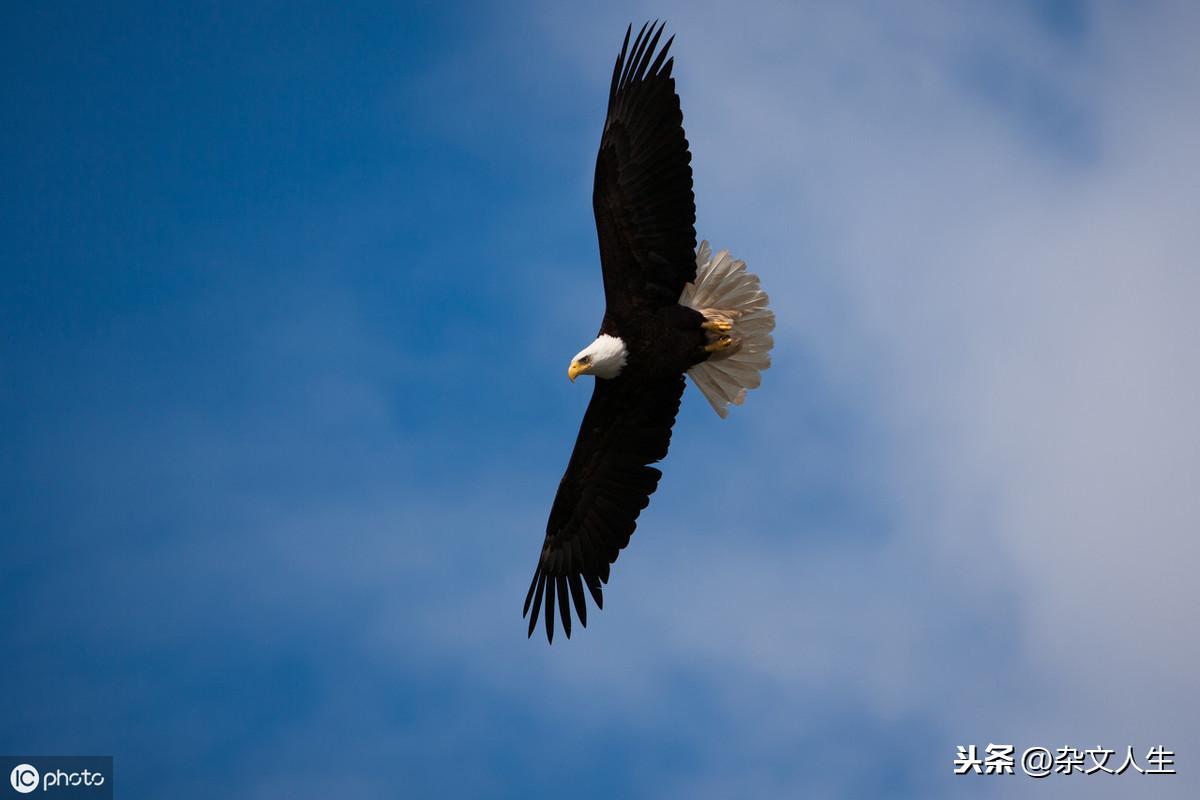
x=718 y=325
x=719 y=344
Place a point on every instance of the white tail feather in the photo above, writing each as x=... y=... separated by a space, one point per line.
x=724 y=291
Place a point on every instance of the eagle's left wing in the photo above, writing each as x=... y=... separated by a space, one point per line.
x=608 y=482
x=642 y=196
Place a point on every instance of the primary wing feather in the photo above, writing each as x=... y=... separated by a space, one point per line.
x=608 y=482
x=642 y=196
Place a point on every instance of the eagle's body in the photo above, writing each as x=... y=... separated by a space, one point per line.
x=670 y=310
x=661 y=343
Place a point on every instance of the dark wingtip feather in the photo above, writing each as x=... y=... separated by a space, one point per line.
x=563 y=608
x=529 y=594
x=636 y=57
x=618 y=67
x=662 y=55
x=540 y=580
x=577 y=598
x=638 y=60
x=593 y=585
x=550 y=611
x=633 y=55
x=651 y=43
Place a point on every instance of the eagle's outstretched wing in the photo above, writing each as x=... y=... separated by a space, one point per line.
x=608 y=482
x=642 y=197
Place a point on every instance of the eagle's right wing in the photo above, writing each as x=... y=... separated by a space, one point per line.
x=642 y=197
x=608 y=482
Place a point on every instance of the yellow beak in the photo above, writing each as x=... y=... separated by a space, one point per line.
x=575 y=370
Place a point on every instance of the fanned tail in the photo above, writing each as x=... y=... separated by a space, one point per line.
x=732 y=298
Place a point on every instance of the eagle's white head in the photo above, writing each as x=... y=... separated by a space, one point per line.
x=603 y=358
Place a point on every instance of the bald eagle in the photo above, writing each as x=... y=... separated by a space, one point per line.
x=671 y=309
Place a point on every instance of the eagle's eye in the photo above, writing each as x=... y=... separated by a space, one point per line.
x=585 y=360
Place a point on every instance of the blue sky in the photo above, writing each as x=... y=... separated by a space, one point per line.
x=289 y=292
